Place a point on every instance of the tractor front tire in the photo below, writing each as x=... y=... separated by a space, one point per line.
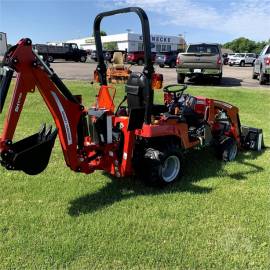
x=162 y=165
x=227 y=149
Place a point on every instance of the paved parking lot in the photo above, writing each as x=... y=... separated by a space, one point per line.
x=232 y=76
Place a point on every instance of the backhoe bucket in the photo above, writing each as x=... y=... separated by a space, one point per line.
x=32 y=154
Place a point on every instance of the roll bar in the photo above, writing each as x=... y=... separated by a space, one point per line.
x=148 y=66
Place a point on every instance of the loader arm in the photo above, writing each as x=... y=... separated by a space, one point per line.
x=66 y=110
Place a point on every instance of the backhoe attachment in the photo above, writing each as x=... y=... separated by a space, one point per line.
x=32 y=154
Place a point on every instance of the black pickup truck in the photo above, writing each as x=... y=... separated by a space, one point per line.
x=68 y=51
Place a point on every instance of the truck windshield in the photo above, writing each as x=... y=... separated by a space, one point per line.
x=202 y=48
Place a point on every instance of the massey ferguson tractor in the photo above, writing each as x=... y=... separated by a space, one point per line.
x=139 y=138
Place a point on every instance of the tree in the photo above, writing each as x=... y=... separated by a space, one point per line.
x=110 y=46
x=243 y=44
x=102 y=33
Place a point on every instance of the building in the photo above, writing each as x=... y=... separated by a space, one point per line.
x=134 y=42
x=3 y=43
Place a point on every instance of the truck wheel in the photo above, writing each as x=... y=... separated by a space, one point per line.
x=162 y=165
x=50 y=59
x=242 y=63
x=140 y=62
x=172 y=64
x=83 y=59
x=227 y=149
x=254 y=75
x=180 y=78
x=161 y=66
x=219 y=79
x=262 y=78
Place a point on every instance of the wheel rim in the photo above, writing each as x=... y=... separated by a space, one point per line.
x=233 y=152
x=170 y=168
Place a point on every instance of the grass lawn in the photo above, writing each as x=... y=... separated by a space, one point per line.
x=217 y=217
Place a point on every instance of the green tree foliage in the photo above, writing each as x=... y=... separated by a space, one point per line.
x=102 y=33
x=243 y=44
x=110 y=46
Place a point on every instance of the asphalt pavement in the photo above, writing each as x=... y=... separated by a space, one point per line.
x=232 y=76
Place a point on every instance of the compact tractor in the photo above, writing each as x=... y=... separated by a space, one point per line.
x=140 y=137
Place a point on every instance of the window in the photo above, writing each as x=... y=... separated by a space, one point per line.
x=163 y=48
x=169 y=48
x=1 y=38
x=158 y=47
x=140 y=46
x=203 y=48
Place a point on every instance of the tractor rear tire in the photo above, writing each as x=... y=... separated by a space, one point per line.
x=180 y=78
x=162 y=165
x=227 y=149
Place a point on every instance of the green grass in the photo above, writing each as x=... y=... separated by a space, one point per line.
x=217 y=217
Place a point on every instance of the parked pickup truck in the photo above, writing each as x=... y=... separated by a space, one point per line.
x=3 y=45
x=200 y=59
x=242 y=59
x=68 y=51
x=261 y=67
x=138 y=57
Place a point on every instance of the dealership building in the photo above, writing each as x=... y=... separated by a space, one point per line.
x=134 y=42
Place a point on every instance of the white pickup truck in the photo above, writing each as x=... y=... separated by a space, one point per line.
x=261 y=67
x=242 y=59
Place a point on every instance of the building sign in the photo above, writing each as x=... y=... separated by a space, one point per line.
x=90 y=40
x=161 y=39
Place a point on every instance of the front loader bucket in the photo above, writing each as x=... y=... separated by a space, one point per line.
x=32 y=154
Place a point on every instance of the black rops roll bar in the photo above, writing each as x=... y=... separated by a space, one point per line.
x=148 y=66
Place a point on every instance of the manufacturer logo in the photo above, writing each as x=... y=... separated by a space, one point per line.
x=18 y=104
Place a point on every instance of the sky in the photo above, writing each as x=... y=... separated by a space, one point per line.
x=198 y=20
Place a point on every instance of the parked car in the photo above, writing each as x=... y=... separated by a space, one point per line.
x=108 y=55
x=93 y=55
x=242 y=59
x=200 y=59
x=166 y=59
x=67 y=51
x=137 y=57
x=225 y=57
x=261 y=67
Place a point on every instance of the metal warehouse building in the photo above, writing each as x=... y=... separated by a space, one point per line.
x=134 y=42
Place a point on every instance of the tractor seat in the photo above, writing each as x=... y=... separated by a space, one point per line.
x=136 y=94
x=118 y=60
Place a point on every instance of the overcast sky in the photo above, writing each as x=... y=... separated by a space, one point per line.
x=198 y=20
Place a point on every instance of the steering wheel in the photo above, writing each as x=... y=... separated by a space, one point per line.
x=176 y=89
